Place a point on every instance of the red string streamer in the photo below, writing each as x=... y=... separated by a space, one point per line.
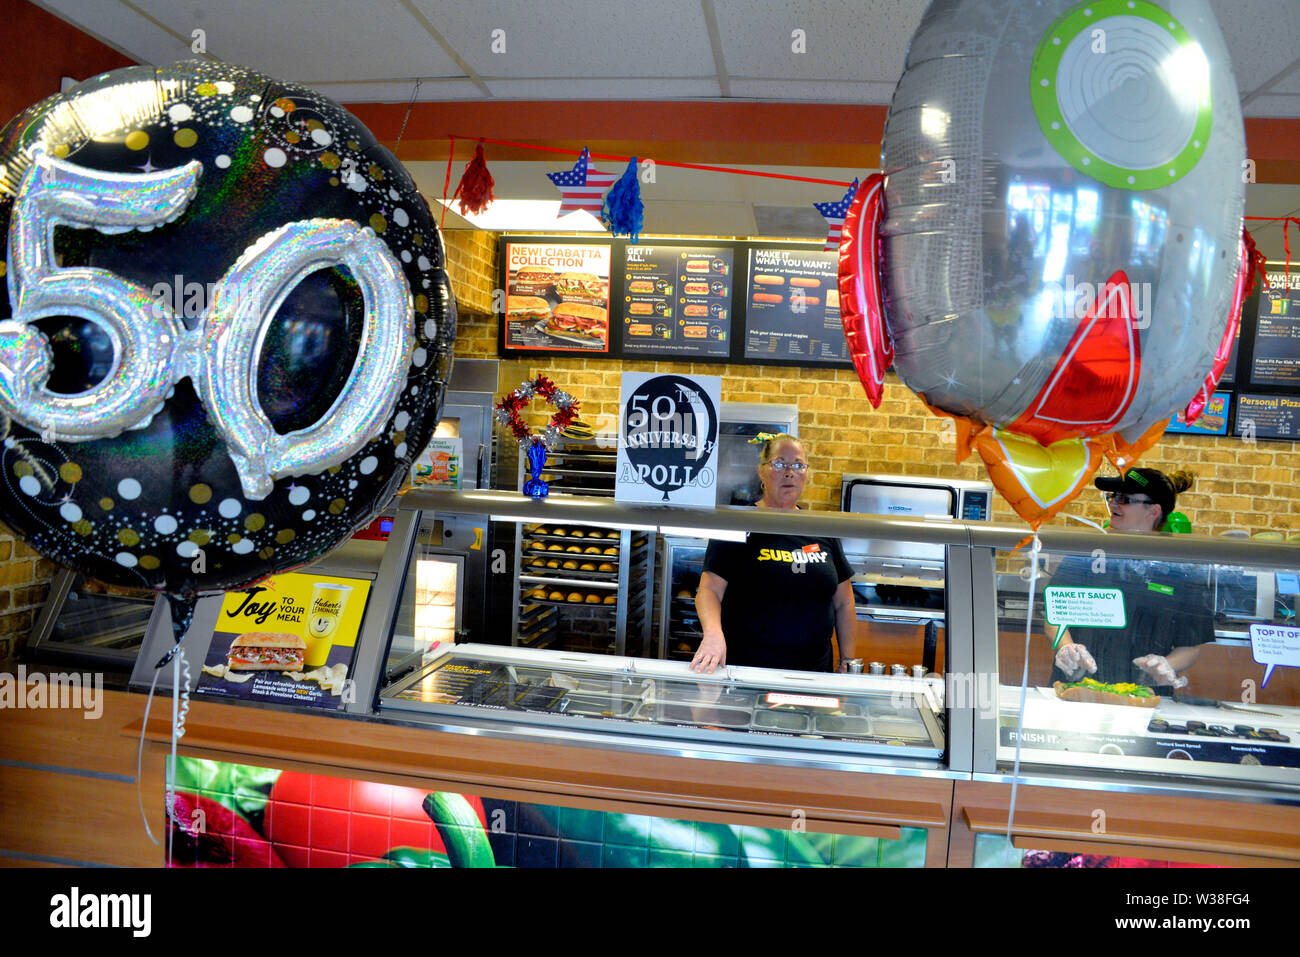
x=446 y=181
x=624 y=159
x=1286 y=222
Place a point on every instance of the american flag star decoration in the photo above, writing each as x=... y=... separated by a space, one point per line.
x=582 y=187
x=834 y=214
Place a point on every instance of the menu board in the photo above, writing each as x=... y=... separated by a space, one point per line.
x=793 y=307
x=557 y=297
x=677 y=300
x=1213 y=421
x=288 y=640
x=1268 y=417
x=1276 y=357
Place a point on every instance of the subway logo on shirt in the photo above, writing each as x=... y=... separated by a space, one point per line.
x=809 y=553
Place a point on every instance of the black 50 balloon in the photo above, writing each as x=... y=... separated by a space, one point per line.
x=229 y=327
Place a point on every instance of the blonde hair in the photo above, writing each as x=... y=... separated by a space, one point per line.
x=765 y=455
x=1181 y=480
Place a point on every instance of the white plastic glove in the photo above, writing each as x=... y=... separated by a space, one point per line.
x=1074 y=660
x=1159 y=668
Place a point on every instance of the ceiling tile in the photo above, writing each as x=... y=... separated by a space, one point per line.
x=564 y=38
x=603 y=89
x=842 y=39
x=122 y=28
x=1263 y=37
x=311 y=42
x=823 y=91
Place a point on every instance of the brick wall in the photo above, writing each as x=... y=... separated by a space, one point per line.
x=1239 y=484
x=24 y=582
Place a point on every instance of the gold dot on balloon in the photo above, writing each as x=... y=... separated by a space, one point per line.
x=266 y=553
x=186 y=138
x=127 y=536
x=421 y=303
x=353 y=145
x=255 y=521
x=61 y=150
x=334 y=469
x=399 y=438
x=285 y=536
x=233 y=537
x=70 y=472
x=200 y=494
x=375 y=172
x=291 y=137
x=23 y=469
x=149 y=562
x=106 y=504
x=329 y=159
x=334 y=180
x=286 y=104
x=200 y=536
x=82 y=527
x=137 y=140
x=378 y=223
x=206 y=89
x=418 y=239
x=337 y=506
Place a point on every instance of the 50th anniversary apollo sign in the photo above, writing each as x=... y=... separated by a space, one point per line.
x=668 y=439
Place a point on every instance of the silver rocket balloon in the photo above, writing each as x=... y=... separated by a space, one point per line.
x=1063 y=192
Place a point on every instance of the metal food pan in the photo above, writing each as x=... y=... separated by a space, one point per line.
x=606 y=706
x=704 y=714
x=899 y=727
x=842 y=725
x=789 y=721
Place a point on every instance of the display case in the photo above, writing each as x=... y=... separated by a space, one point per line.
x=679 y=623
x=845 y=714
x=1221 y=613
x=77 y=623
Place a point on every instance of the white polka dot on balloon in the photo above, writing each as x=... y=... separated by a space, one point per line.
x=229 y=507
x=187 y=549
x=274 y=157
x=299 y=494
x=29 y=485
x=308 y=515
x=126 y=559
x=352 y=483
x=70 y=512
x=277 y=112
x=321 y=137
x=402 y=421
x=180 y=112
x=369 y=464
x=419 y=356
x=423 y=263
x=225 y=87
x=400 y=451
x=406 y=255
x=242 y=547
x=222 y=161
x=394 y=195
x=241 y=114
x=128 y=488
x=164 y=524
x=400 y=217
x=430 y=329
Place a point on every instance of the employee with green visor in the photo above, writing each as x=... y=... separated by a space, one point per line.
x=1168 y=613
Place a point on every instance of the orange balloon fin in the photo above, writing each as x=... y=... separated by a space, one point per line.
x=1037 y=481
x=1125 y=454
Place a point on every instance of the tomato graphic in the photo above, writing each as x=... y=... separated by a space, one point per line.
x=314 y=820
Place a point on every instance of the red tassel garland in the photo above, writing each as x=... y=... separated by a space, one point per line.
x=474 y=192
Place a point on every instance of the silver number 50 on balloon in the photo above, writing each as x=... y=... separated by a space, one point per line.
x=219 y=356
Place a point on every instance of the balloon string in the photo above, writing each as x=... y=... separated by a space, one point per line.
x=446 y=181
x=625 y=159
x=1024 y=686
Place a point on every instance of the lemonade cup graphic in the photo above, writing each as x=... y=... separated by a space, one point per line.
x=327 y=603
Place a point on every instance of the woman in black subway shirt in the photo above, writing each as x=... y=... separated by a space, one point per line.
x=774 y=600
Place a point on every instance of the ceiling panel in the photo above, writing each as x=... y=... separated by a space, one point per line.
x=320 y=40
x=842 y=39
x=398 y=91
x=1263 y=37
x=561 y=38
x=825 y=91
x=602 y=89
x=122 y=28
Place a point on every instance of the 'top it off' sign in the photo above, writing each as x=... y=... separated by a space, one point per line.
x=668 y=439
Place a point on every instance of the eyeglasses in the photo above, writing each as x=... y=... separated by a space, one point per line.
x=781 y=465
x=1119 y=498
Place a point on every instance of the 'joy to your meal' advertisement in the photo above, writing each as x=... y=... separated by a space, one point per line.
x=289 y=639
x=557 y=296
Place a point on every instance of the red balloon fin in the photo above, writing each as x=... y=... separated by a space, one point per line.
x=861 y=306
x=1239 y=293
